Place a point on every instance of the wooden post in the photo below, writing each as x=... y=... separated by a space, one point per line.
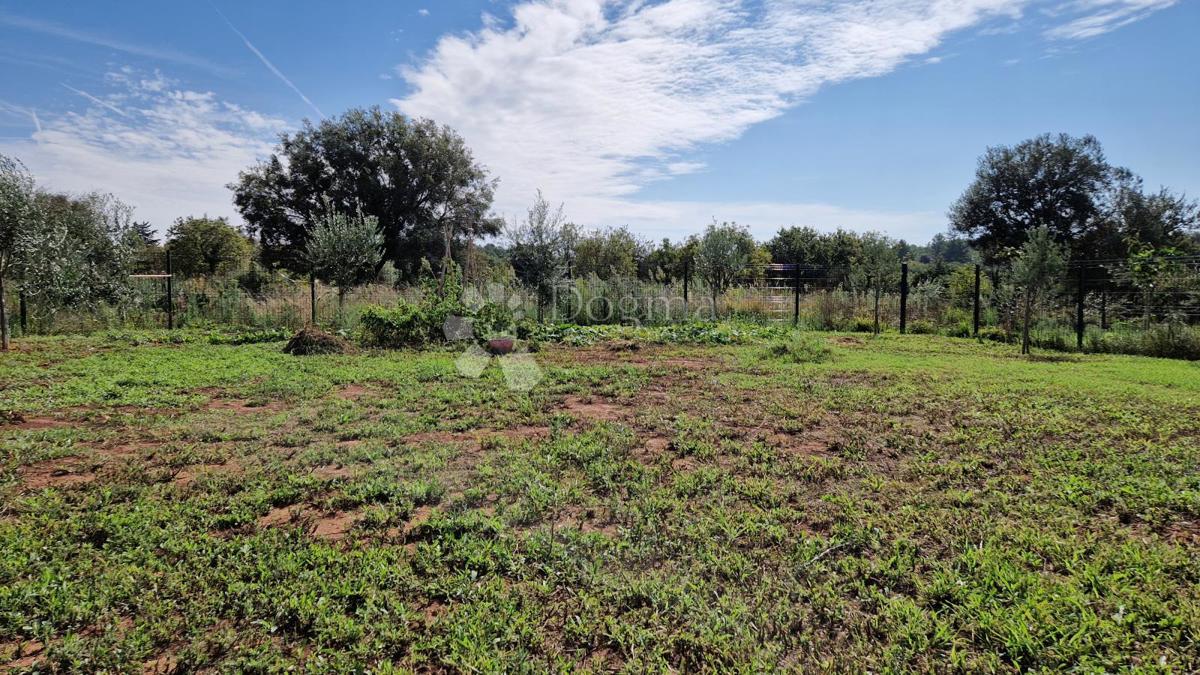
x=170 y=294
x=24 y=311
x=1104 y=310
x=975 y=329
x=903 y=297
x=1079 y=325
x=312 y=296
x=796 y=298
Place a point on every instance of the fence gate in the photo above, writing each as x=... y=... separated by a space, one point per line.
x=779 y=290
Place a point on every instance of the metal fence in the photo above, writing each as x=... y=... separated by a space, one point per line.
x=1093 y=299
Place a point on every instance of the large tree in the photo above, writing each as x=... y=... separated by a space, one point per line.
x=417 y=177
x=1061 y=182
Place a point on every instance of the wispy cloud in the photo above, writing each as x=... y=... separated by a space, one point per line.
x=270 y=66
x=67 y=33
x=170 y=152
x=1097 y=17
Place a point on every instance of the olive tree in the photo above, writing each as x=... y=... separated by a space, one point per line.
x=16 y=208
x=722 y=253
x=539 y=247
x=1040 y=261
x=878 y=266
x=345 y=250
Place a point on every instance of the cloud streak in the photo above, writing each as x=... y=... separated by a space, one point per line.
x=270 y=66
x=1097 y=17
x=67 y=33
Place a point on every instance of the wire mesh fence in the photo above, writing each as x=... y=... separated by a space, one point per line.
x=1094 y=305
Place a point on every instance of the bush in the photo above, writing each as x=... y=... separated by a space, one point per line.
x=310 y=341
x=800 y=349
x=1173 y=341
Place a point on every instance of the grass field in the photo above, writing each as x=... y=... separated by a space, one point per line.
x=904 y=503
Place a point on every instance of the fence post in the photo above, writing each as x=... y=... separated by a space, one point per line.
x=312 y=296
x=24 y=312
x=1079 y=309
x=170 y=294
x=686 y=277
x=975 y=328
x=796 y=298
x=1104 y=310
x=903 y=298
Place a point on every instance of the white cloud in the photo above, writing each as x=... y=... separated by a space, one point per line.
x=423 y=12
x=169 y=154
x=591 y=100
x=1097 y=17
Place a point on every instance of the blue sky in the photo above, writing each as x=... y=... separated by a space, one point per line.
x=661 y=115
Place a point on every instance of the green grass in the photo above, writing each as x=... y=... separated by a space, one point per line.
x=887 y=504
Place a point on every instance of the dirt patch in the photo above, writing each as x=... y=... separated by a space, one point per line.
x=20 y=654
x=278 y=516
x=332 y=472
x=352 y=392
x=587 y=520
x=330 y=526
x=333 y=526
x=593 y=409
x=688 y=363
x=847 y=341
x=1185 y=532
x=16 y=420
x=126 y=450
x=811 y=443
x=475 y=437
x=54 y=473
x=249 y=407
x=418 y=518
x=188 y=475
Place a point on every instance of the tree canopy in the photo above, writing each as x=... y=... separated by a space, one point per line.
x=344 y=250
x=207 y=247
x=416 y=177
x=1067 y=185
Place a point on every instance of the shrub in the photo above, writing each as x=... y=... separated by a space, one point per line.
x=800 y=349
x=1172 y=341
x=310 y=341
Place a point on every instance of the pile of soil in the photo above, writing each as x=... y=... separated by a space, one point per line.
x=311 y=340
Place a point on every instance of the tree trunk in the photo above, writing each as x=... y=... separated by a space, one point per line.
x=446 y=237
x=3 y=318
x=1146 y=297
x=341 y=298
x=1025 y=328
x=716 y=314
x=877 y=310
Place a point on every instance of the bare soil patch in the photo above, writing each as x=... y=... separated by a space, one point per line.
x=590 y=408
x=352 y=392
x=16 y=420
x=55 y=473
x=331 y=526
x=188 y=475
